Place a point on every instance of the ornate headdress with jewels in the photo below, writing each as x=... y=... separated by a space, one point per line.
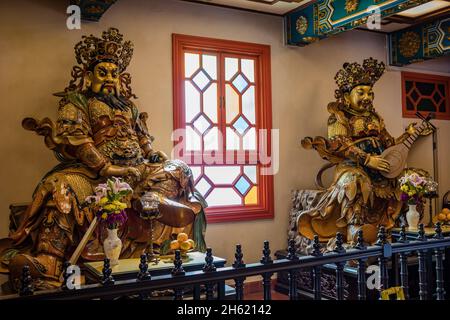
x=110 y=47
x=92 y=50
x=354 y=74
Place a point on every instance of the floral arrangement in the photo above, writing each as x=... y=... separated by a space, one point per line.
x=109 y=202
x=414 y=187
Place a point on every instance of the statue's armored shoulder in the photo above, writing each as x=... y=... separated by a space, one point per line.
x=337 y=121
x=74 y=98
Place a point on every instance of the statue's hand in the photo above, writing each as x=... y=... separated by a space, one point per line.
x=377 y=163
x=411 y=129
x=157 y=157
x=117 y=171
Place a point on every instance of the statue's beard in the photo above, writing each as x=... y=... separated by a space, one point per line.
x=367 y=105
x=112 y=100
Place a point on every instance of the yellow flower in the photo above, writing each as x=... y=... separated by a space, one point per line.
x=110 y=207
x=104 y=216
x=404 y=188
x=103 y=200
x=411 y=193
x=120 y=205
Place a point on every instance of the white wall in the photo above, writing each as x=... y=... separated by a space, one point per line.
x=37 y=56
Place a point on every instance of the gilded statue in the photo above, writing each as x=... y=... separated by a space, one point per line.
x=99 y=133
x=360 y=197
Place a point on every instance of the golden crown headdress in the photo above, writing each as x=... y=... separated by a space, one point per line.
x=110 y=47
x=354 y=74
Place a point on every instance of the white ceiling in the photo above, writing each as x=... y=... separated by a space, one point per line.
x=280 y=7
x=425 y=8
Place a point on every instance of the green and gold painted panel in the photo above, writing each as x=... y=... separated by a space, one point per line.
x=421 y=42
x=327 y=17
x=92 y=10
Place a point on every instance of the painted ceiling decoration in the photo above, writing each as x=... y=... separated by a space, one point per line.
x=324 y=18
x=92 y=10
x=420 y=42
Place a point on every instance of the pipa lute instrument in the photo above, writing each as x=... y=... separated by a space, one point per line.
x=398 y=154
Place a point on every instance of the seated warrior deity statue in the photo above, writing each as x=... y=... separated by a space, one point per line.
x=360 y=196
x=99 y=133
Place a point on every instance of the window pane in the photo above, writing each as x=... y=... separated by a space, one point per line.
x=231 y=68
x=441 y=89
x=409 y=104
x=196 y=172
x=249 y=140
x=248 y=68
x=408 y=85
x=240 y=125
x=210 y=65
x=232 y=103
x=201 y=80
x=222 y=174
x=201 y=124
x=191 y=63
x=250 y=172
x=192 y=101
x=242 y=185
x=252 y=196
x=203 y=186
x=223 y=197
x=211 y=139
x=426 y=105
x=425 y=88
x=210 y=102
x=233 y=142
x=414 y=95
x=248 y=104
x=240 y=83
x=192 y=139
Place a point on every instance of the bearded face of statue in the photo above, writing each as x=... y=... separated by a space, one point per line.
x=104 y=78
x=360 y=99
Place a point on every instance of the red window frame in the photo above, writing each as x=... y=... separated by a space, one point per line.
x=427 y=78
x=261 y=53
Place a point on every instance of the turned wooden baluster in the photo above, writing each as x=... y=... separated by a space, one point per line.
x=439 y=253
x=292 y=255
x=317 y=286
x=239 y=263
x=423 y=291
x=339 y=267
x=382 y=260
x=362 y=293
x=404 y=264
x=178 y=271
x=267 y=283
x=107 y=278
x=26 y=282
x=209 y=267
x=143 y=269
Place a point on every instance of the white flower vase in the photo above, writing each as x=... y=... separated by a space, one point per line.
x=412 y=216
x=112 y=246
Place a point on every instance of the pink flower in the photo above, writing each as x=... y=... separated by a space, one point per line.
x=120 y=186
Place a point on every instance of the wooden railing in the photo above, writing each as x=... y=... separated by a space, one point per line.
x=179 y=280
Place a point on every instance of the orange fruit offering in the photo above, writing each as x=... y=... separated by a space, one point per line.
x=174 y=245
x=441 y=217
x=192 y=243
x=182 y=237
x=448 y=216
x=185 y=246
